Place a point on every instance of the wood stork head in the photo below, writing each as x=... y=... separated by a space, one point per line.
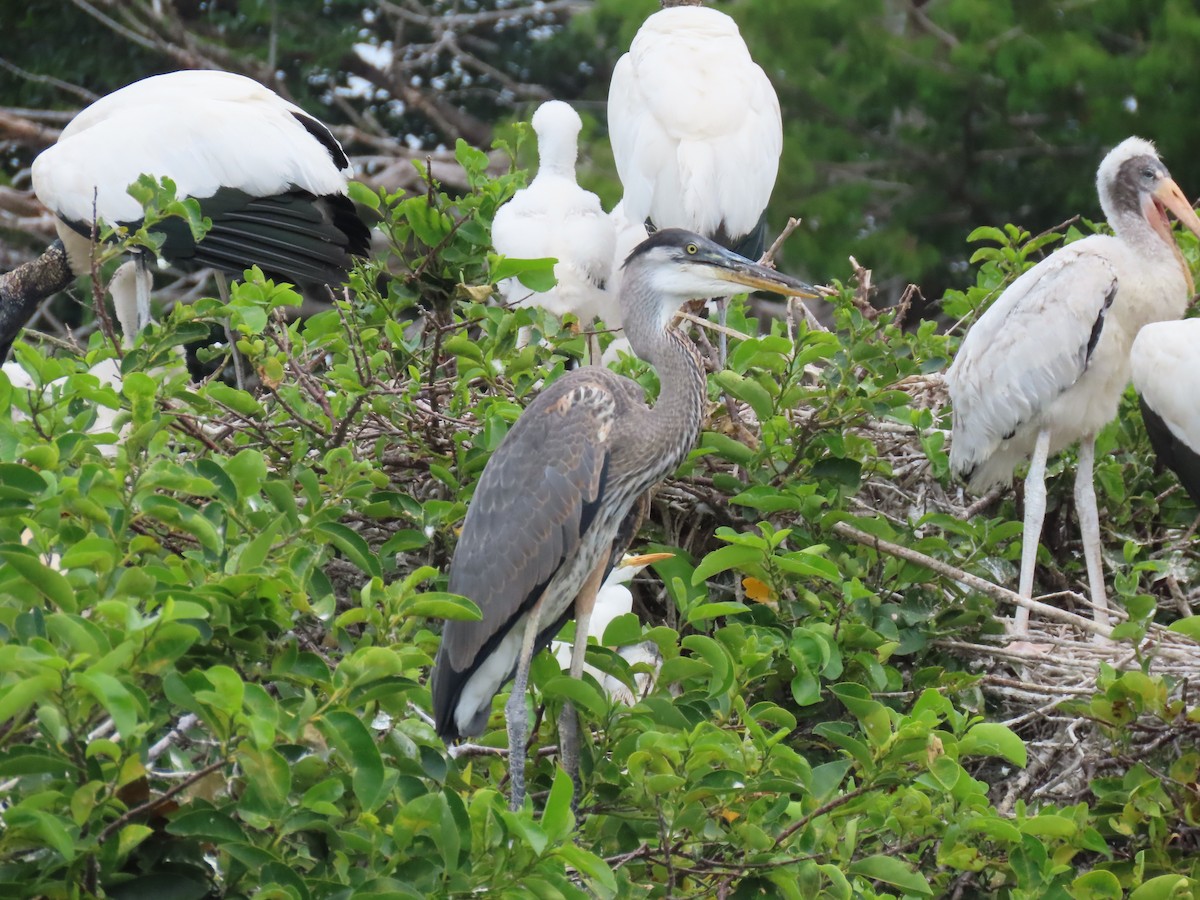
x=1134 y=184
x=557 y=127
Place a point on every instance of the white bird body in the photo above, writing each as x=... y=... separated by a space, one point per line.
x=555 y=218
x=212 y=133
x=695 y=125
x=1046 y=364
x=1026 y=365
x=1165 y=362
x=107 y=372
x=615 y=599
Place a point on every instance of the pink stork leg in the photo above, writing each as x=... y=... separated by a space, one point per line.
x=1089 y=527
x=1035 y=512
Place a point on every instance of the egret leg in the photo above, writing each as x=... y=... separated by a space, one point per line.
x=568 y=719
x=516 y=716
x=239 y=373
x=1089 y=527
x=1035 y=512
x=142 y=283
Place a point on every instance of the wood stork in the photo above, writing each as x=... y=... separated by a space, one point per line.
x=1166 y=373
x=271 y=177
x=542 y=530
x=612 y=600
x=1047 y=363
x=555 y=218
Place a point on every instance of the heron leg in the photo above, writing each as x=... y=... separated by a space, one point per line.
x=568 y=719
x=1035 y=512
x=516 y=716
x=1089 y=527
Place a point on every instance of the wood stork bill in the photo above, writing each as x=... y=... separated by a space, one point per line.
x=555 y=218
x=1166 y=373
x=1046 y=365
x=612 y=600
x=271 y=177
x=695 y=128
x=541 y=531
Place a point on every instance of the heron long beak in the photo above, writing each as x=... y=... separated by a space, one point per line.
x=644 y=559
x=1170 y=196
x=731 y=267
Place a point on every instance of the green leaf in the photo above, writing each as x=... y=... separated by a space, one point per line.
x=46 y=581
x=891 y=871
x=353 y=546
x=582 y=693
x=993 y=739
x=113 y=696
x=1098 y=884
x=443 y=605
x=354 y=742
x=1165 y=887
x=558 y=818
x=748 y=391
x=717 y=657
x=592 y=867
x=735 y=556
x=705 y=611
x=20 y=482
x=207 y=824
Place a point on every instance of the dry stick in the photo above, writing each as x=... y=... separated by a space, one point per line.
x=124 y=819
x=1004 y=595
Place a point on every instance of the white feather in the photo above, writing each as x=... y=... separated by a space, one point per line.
x=695 y=124
x=1165 y=362
x=555 y=218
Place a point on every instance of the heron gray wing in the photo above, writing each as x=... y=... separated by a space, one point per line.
x=1031 y=345
x=538 y=496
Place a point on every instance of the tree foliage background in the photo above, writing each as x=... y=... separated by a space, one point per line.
x=217 y=629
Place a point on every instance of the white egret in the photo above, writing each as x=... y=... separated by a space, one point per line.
x=555 y=218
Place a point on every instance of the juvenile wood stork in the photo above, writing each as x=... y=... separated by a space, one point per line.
x=1046 y=365
x=612 y=600
x=271 y=177
x=1166 y=373
x=555 y=218
x=541 y=531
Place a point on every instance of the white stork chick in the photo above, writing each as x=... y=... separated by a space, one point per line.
x=1046 y=364
x=555 y=218
x=612 y=600
x=1166 y=373
x=695 y=128
x=271 y=177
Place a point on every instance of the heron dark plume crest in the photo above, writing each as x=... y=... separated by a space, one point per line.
x=541 y=532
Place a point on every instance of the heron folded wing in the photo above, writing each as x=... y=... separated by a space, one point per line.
x=1032 y=344
x=534 y=505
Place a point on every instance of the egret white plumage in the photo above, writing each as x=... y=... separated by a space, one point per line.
x=1166 y=373
x=542 y=530
x=612 y=600
x=695 y=128
x=271 y=177
x=1046 y=364
x=555 y=218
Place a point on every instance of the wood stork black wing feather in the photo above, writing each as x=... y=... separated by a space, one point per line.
x=1172 y=452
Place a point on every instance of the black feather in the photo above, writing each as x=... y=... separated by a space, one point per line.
x=1173 y=453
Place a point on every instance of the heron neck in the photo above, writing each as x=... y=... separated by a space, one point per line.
x=674 y=420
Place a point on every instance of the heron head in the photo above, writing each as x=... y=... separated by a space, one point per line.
x=675 y=266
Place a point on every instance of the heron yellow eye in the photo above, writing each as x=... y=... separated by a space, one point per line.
x=692 y=249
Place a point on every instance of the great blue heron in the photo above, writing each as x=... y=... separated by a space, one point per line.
x=554 y=217
x=270 y=176
x=1046 y=365
x=1166 y=373
x=542 y=529
x=695 y=128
